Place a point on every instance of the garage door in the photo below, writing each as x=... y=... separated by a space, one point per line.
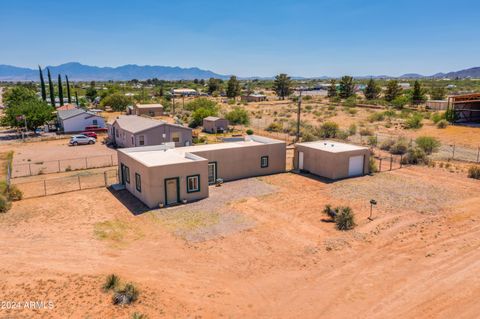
x=355 y=166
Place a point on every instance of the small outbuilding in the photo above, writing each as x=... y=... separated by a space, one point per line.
x=437 y=105
x=145 y=109
x=253 y=98
x=330 y=159
x=213 y=124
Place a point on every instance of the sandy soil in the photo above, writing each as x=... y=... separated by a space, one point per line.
x=418 y=258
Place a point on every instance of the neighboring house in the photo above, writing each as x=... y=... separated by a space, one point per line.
x=78 y=119
x=146 y=109
x=184 y=92
x=404 y=85
x=161 y=175
x=212 y=124
x=132 y=131
x=253 y=98
x=331 y=159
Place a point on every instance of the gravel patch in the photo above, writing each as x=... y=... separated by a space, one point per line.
x=213 y=217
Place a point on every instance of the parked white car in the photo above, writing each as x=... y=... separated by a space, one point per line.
x=81 y=139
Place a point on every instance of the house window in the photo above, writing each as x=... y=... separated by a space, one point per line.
x=138 y=182
x=95 y=122
x=176 y=137
x=193 y=183
x=141 y=140
x=126 y=171
x=264 y=161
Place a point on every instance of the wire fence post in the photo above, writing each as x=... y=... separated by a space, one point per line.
x=45 y=187
x=86 y=162
x=79 y=183
x=105 y=178
x=59 y=166
x=30 y=169
x=111 y=159
x=380 y=165
x=401 y=160
x=453 y=151
x=391 y=161
x=478 y=155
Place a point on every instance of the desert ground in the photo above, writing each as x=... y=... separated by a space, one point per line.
x=259 y=247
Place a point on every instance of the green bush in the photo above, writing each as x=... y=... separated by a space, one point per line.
x=365 y=131
x=376 y=117
x=350 y=102
x=5 y=204
x=372 y=165
x=111 y=283
x=328 y=130
x=400 y=147
x=249 y=131
x=274 y=127
x=442 y=124
x=437 y=117
x=352 y=129
x=414 y=121
x=387 y=144
x=200 y=103
x=474 y=171
x=428 y=144
x=345 y=219
x=415 y=155
x=372 y=140
x=238 y=116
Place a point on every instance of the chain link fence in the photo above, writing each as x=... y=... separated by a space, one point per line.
x=59 y=185
x=65 y=165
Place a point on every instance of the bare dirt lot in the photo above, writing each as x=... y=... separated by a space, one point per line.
x=256 y=248
x=52 y=156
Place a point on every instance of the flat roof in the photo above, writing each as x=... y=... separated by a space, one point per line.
x=159 y=155
x=148 y=106
x=332 y=146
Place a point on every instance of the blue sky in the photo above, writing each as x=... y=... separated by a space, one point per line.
x=246 y=38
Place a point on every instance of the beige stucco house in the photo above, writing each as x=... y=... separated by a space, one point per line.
x=331 y=159
x=213 y=124
x=161 y=175
x=133 y=131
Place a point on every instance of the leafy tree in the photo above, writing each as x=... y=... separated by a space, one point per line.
x=60 y=89
x=238 y=116
x=233 y=87
x=418 y=94
x=214 y=85
x=400 y=101
x=332 y=89
x=437 y=93
x=117 y=101
x=42 y=84
x=199 y=114
x=372 y=90
x=200 y=102
x=91 y=93
x=393 y=90
x=282 y=85
x=51 y=88
x=18 y=94
x=36 y=112
x=347 y=88
x=69 y=96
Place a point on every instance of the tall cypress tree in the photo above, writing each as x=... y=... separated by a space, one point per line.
x=42 y=84
x=68 y=90
x=76 y=99
x=60 y=89
x=50 y=86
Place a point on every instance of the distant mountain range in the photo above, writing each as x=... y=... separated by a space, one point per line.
x=80 y=72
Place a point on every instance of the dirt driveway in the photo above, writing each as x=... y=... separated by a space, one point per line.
x=257 y=248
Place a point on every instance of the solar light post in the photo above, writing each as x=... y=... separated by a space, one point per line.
x=372 y=203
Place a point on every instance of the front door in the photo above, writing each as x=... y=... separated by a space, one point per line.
x=212 y=172
x=122 y=174
x=171 y=191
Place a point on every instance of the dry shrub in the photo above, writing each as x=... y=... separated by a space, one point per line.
x=474 y=171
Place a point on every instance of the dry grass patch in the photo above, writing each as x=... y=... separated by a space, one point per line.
x=117 y=231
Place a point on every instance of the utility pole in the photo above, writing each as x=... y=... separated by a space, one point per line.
x=299 y=111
